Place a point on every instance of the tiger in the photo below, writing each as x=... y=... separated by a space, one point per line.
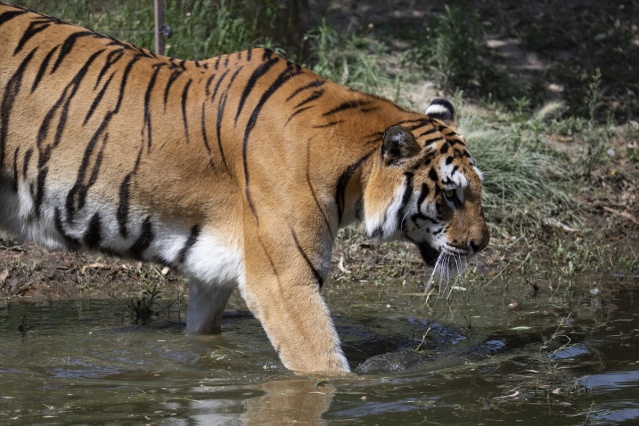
x=236 y=171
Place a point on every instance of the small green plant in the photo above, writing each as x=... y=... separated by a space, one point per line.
x=324 y=41
x=346 y=59
x=521 y=105
x=594 y=137
x=629 y=261
x=454 y=47
x=146 y=307
x=593 y=96
x=558 y=338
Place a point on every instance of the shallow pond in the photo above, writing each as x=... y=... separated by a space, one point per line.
x=508 y=352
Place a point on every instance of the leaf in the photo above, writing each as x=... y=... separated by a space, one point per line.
x=552 y=222
x=96 y=265
x=3 y=275
x=625 y=215
x=341 y=266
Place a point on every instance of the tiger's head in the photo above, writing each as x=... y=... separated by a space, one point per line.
x=425 y=187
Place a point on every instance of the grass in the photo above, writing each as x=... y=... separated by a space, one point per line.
x=452 y=53
x=349 y=59
x=517 y=174
x=200 y=29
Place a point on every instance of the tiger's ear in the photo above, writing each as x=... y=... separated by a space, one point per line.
x=399 y=144
x=444 y=111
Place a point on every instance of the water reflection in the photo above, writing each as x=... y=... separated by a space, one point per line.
x=571 y=351
x=617 y=415
x=285 y=401
x=611 y=381
x=290 y=402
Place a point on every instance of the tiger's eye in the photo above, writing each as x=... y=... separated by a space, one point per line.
x=449 y=194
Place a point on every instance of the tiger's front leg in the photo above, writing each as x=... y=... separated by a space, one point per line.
x=281 y=291
x=297 y=323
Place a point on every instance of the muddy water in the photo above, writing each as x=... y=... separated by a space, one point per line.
x=565 y=353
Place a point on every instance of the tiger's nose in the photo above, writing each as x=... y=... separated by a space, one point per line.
x=482 y=242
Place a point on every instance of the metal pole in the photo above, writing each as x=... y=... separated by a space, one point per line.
x=159 y=25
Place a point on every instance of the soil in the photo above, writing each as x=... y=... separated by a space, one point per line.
x=28 y=271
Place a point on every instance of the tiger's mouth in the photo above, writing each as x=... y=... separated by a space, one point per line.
x=429 y=254
x=448 y=258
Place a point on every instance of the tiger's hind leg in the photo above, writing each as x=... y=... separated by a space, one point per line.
x=206 y=306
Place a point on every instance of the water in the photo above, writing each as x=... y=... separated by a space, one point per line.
x=565 y=354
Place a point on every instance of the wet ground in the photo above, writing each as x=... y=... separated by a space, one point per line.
x=505 y=351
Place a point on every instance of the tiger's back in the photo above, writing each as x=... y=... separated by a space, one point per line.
x=237 y=170
x=121 y=115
